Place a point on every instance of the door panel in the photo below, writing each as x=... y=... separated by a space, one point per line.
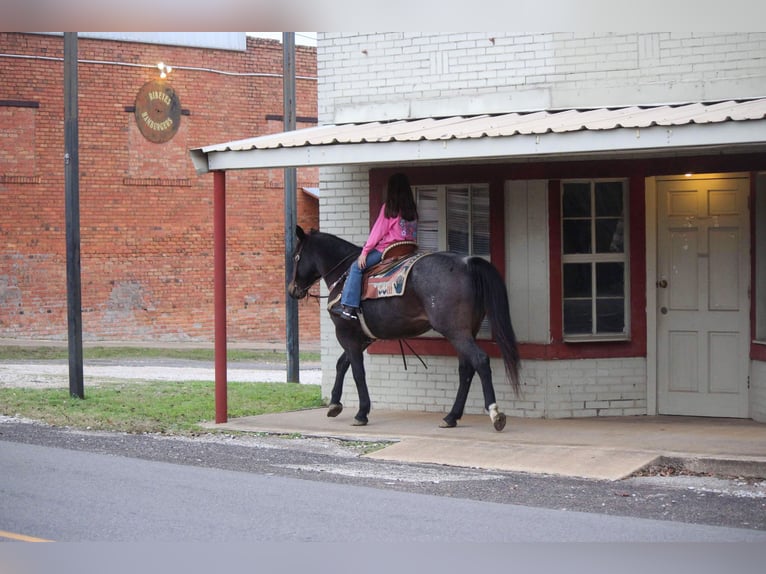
x=683 y=361
x=722 y=346
x=702 y=298
x=724 y=282
x=683 y=264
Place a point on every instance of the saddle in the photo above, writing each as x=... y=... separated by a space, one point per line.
x=389 y=277
x=398 y=250
x=386 y=278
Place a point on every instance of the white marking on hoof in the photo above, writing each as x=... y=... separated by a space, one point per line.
x=497 y=418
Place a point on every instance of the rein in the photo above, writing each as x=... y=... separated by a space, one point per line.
x=341 y=262
x=404 y=360
x=332 y=270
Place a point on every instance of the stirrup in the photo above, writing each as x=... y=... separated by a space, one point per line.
x=349 y=313
x=344 y=312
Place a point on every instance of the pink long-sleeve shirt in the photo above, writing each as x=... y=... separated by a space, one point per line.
x=388 y=230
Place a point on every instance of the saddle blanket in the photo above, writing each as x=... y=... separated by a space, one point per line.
x=389 y=277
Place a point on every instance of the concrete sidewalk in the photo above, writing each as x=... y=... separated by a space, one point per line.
x=608 y=448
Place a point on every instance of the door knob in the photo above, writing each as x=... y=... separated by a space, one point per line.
x=663 y=283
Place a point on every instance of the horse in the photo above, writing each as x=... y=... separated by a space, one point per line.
x=445 y=291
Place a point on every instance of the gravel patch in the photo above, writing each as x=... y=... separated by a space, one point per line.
x=710 y=485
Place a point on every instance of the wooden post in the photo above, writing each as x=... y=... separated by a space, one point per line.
x=72 y=216
x=291 y=305
x=219 y=265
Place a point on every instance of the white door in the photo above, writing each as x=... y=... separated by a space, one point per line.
x=703 y=265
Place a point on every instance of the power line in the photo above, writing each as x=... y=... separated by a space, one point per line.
x=134 y=65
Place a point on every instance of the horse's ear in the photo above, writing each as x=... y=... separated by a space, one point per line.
x=300 y=233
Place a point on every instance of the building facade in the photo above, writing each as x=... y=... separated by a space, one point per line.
x=615 y=180
x=665 y=322
x=146 y=218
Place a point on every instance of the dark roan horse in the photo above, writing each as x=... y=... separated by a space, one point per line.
x=445 y=291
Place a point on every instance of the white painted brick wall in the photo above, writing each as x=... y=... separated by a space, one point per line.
x=570 y=69
x=343 y=211
x=551 y=389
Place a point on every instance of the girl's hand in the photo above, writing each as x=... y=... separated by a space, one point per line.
x=362 y=262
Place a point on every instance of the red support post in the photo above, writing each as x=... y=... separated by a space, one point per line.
x=219 y=264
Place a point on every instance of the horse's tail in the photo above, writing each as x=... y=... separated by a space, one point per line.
x=492 y=297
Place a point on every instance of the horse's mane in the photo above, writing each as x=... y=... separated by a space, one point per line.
x=330 y=239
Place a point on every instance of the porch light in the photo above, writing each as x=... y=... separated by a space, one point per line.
x=164 y=70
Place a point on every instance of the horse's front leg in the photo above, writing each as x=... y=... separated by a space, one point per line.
x=341 y=368
x=360 y=378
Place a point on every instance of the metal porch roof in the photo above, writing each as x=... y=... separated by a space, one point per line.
x=690 y=126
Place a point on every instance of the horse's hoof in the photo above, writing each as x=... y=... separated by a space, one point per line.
x=334 y=409
x=499 y=422
x=447 y=424
x=359 y=422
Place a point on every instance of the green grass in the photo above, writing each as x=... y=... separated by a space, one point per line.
x=24 y=353
x=164 y=407
x=158 y=407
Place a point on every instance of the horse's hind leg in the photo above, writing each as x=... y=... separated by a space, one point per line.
x=341 y=368
x=490 y=403
x=466 y=372
x=480 y=361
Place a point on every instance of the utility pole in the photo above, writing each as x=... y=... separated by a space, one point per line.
x=72 y=201
x=291 y=305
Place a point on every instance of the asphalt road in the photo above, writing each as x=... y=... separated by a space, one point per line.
x=67 y=485
x=102 y=498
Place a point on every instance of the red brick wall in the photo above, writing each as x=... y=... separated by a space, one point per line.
x=145 y=216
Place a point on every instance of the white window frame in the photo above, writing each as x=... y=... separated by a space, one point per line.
x=594 y=258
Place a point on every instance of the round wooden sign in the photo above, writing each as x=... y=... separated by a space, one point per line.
x=158 y=111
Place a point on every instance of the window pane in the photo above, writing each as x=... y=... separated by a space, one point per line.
x=608 y=198
x=577 y=280
x=610 y=315
x=576 y=200
x=428 y=219
x=610 y=279
x=480 y=220
x=610 y=236
x=576 y=236
x=458 y=218
x=578 y=317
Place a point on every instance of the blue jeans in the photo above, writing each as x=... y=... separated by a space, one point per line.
x=352 y=290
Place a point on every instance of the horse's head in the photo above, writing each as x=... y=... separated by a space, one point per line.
x=305 y=271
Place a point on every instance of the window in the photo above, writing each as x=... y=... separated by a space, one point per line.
x=455 y=218
x=594 y=260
